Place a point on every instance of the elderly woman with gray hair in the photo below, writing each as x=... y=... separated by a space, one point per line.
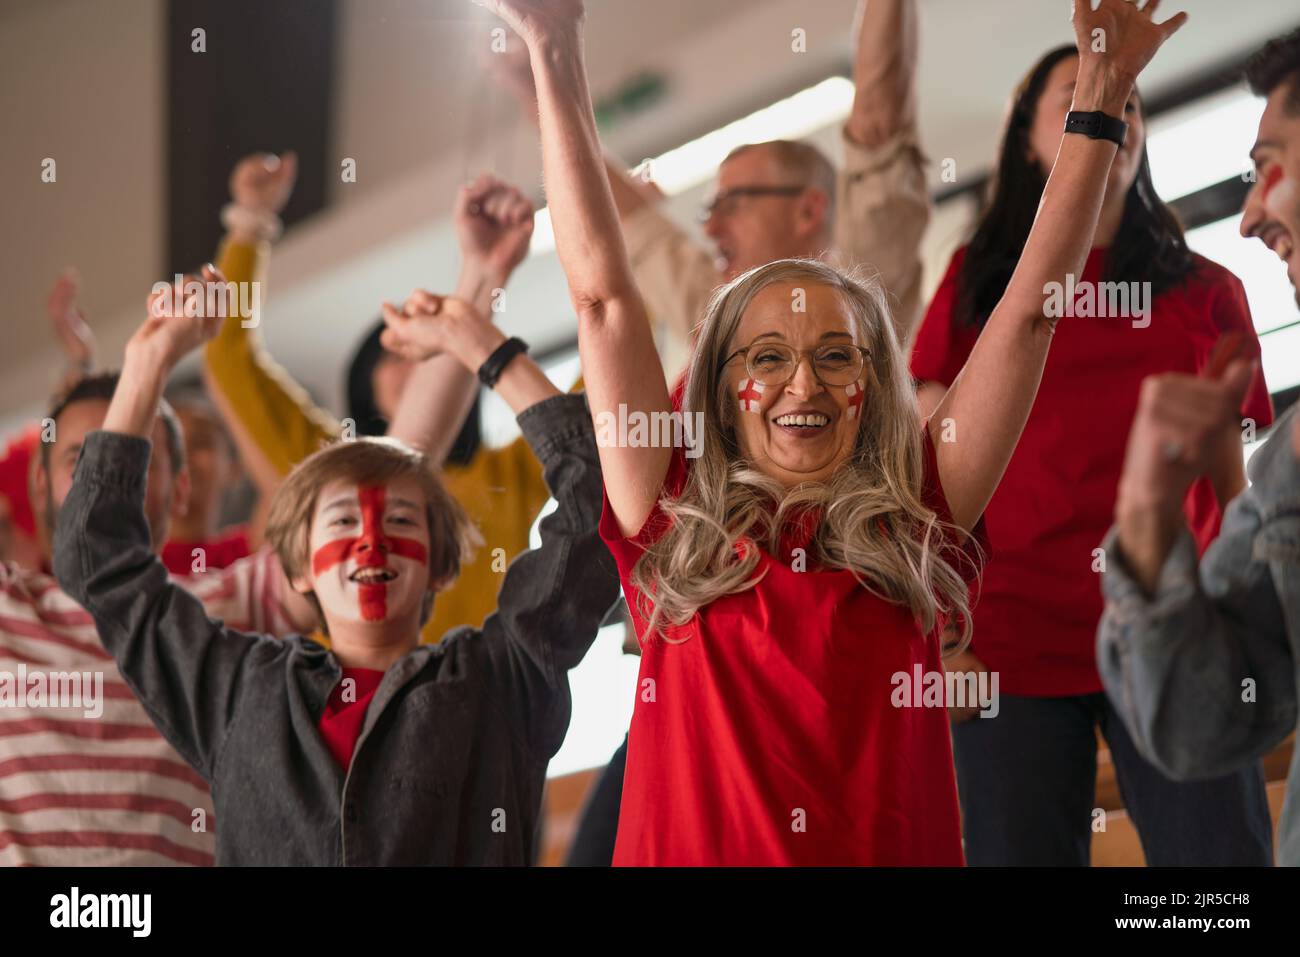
x=789 y=584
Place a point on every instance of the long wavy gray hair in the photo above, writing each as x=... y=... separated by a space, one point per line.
x=873 y=522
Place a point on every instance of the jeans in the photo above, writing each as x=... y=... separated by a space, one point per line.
x=1027 y=782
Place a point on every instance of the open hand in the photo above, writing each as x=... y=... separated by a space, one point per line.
x=179 y=317
x=69 y=324
x=1121 y=35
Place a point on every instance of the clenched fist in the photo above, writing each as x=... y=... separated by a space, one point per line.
x=428 y=325
x=264 y=181
x=494 y=225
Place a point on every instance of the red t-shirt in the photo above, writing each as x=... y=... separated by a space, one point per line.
x=221 y=552
x=1040 y=600
x=345 y=712
x=768 y=736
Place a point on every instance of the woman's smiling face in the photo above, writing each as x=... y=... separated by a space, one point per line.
x=804 y=430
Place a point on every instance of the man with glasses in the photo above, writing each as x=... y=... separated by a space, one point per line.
x=783 y=199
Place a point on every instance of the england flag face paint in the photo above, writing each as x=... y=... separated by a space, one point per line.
x=370 y=550
x=855 y=394
x=750 y=394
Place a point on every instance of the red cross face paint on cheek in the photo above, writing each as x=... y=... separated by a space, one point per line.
x=855 y=395
x=750 y=395
x=370 y=555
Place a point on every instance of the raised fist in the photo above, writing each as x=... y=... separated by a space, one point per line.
x=264 y=181
x=494 y=224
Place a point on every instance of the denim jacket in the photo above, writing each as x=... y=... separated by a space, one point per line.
x=1204 y=672
x=452 y=756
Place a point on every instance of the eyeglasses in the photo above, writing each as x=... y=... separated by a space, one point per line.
x=774 y=364
x=725 y=203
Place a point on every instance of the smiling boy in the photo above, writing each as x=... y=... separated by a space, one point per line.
x=379 y=750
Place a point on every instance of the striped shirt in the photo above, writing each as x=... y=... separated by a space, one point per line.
x=85 y=778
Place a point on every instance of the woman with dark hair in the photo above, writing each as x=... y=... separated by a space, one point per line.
x=375 y=380
x=1143 y=304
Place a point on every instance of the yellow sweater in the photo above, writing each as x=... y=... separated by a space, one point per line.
x=501 y=489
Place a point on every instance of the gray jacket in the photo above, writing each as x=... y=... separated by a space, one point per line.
x=452 y=756
x=1205 y=671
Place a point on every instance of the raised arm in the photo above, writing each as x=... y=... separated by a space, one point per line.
x=270 y=416
x=613 y=334
x=494 y=224
x=184 y=667
x=674 y=272
x=553 y=599
x=884 y=71
x=509 y=66
x=990 y=400
x=883 y=204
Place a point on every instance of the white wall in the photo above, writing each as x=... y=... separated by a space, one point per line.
x=82 y=84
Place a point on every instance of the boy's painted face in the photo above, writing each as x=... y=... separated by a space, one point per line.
x=369 y=548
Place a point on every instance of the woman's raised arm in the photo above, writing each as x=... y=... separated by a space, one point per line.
x=619 y=362
x=988 y=404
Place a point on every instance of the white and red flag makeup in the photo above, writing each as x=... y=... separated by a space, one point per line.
x=370 y=549
x=750 y=394
x=855 y=394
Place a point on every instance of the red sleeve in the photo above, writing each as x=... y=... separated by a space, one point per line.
x=1230 y=312
x=942 y=345
x=15 y=464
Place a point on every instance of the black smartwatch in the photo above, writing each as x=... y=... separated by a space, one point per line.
x=495 y=364
x=1097 y=126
